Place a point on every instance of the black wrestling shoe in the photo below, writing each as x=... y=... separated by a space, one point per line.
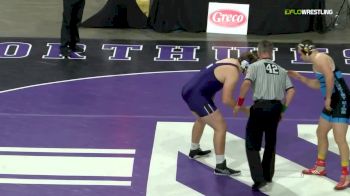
x=222 y=169
x=198 y=153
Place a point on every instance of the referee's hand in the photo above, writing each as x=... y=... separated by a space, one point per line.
x=281 y=116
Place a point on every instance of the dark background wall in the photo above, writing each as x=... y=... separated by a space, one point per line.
x=344 y=19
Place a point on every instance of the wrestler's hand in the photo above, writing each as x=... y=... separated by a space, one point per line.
x=294 y=74
x=235 y=110
x=327 y=104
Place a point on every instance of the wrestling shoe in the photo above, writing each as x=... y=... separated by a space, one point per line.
x=198 y=153
x=318 y=169
x=343 y=183
x=222 y=169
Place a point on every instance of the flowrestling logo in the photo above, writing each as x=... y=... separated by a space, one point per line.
x=312 y=12
x=227 y=18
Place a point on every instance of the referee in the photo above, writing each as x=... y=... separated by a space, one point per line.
x=272 y=93
x=72 y=16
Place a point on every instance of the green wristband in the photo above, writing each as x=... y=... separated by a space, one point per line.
x=284 y=108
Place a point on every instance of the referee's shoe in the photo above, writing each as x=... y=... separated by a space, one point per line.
x=222 y=169
x=198 y=153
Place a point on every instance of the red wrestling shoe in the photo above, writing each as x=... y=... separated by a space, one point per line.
x=343 y=183
x=316 y=169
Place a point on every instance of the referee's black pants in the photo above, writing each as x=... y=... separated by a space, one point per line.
x=264 y=118
x=72 y=16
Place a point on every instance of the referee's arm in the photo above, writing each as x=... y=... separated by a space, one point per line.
x=290 y=91
x=289 y=96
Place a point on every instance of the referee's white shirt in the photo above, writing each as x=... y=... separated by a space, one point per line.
x=269 y=80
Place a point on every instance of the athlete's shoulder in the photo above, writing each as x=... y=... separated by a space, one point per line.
x=229 y=61
x=321 y=56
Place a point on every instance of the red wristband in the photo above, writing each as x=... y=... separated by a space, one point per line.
x=240 y=101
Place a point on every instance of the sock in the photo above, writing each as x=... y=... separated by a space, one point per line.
x=194 y=146
x=220 y=159
x=321 y=156
x=344 y=163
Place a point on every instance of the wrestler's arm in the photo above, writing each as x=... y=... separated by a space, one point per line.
x=230 y=82
x=312 y=83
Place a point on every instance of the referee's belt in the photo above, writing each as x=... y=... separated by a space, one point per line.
x=266 y=101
